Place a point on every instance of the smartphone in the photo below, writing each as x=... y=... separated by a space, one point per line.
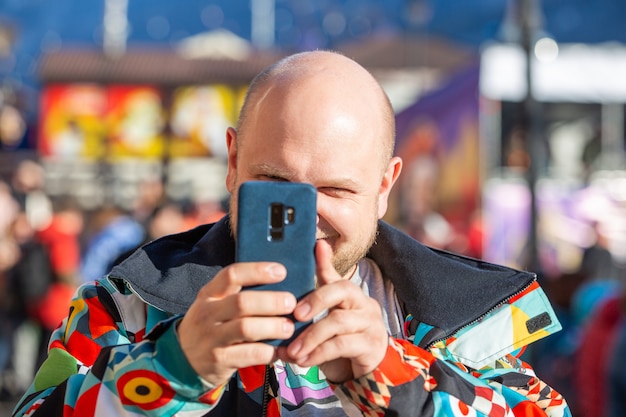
x=276 y=221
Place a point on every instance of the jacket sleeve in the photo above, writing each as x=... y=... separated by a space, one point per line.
x=102 y=365
x=412 y=382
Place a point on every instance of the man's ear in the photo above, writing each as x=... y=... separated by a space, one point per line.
x=389 y=179
x=231 y=145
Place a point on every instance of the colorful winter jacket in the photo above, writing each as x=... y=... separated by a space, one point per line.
x=117 y=352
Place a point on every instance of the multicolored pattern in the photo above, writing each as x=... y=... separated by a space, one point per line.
x=128 y=374
x=519 y=322
x=303 y=386
x=511 y=394
x=109 y=359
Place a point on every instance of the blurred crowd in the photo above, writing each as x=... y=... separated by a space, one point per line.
x=585 y=361
x=49 y=245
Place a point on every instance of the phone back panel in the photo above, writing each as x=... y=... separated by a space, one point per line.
x=276 y=221
x=290 y=241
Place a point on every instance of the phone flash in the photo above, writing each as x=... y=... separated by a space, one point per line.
x=291 y=214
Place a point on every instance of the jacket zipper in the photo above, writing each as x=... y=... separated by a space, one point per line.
x=130 y=287
x=266 y=389
x=482 y=316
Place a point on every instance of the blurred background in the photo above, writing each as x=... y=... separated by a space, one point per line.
x=112 y=120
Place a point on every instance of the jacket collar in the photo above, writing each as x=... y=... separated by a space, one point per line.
x=438 y=288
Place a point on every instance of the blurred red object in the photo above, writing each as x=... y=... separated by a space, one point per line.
x=61 y=237
x=54 y=306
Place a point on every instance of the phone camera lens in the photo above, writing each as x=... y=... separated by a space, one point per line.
x=277 y=215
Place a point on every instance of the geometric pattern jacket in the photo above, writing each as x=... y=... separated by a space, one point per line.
x=467 y=323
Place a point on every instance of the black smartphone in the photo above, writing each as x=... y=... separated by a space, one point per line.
x=276 y=221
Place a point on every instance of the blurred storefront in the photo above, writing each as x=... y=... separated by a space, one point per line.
x=108 y=124
x=581 y=165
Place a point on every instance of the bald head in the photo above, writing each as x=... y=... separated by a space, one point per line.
x=334 y=79
x=322 y=119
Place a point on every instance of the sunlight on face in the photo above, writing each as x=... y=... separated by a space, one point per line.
x=332 y=138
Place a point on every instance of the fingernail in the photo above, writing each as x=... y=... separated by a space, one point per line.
x=290 y=303
x=303 y=309
x=288 y=327
x=295 y=347
x=276 y=270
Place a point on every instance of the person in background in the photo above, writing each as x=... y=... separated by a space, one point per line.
x=166 y=219
x=111 y=233
x=598 y=262
x=616 y=403
x=201 y=211
x=62 y=238
x=9 y=208
x=599 y=308
x=150 y=196
x=10 y=315
x=407 y=330
x=27 y=280
x=27 y=185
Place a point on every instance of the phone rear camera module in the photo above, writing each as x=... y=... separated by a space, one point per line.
x=277 y=221
x=276 y=215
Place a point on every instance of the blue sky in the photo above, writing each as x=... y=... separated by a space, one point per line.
x=44 y=25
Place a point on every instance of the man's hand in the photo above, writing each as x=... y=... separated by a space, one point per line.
x=351 y=340
x=221 y=331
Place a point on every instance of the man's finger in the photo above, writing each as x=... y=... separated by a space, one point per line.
x=253 y=303
x=325 y=270
x=233 y=278
x=253 y=329
x=340 y=294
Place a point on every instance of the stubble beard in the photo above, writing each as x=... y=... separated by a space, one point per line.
x=345 y=258
x=232 y=221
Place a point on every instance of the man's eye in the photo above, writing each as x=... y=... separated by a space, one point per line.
x=335 y=192
x=272 y=178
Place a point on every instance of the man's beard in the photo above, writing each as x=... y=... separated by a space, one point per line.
x=346 y=257
x=231 y=216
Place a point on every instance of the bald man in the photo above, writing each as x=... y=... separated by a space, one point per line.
x=408 y=331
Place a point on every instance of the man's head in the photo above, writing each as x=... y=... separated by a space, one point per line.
x=320 y=118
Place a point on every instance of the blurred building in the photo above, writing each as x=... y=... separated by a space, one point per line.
x=108 y=123
x=580 y=160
